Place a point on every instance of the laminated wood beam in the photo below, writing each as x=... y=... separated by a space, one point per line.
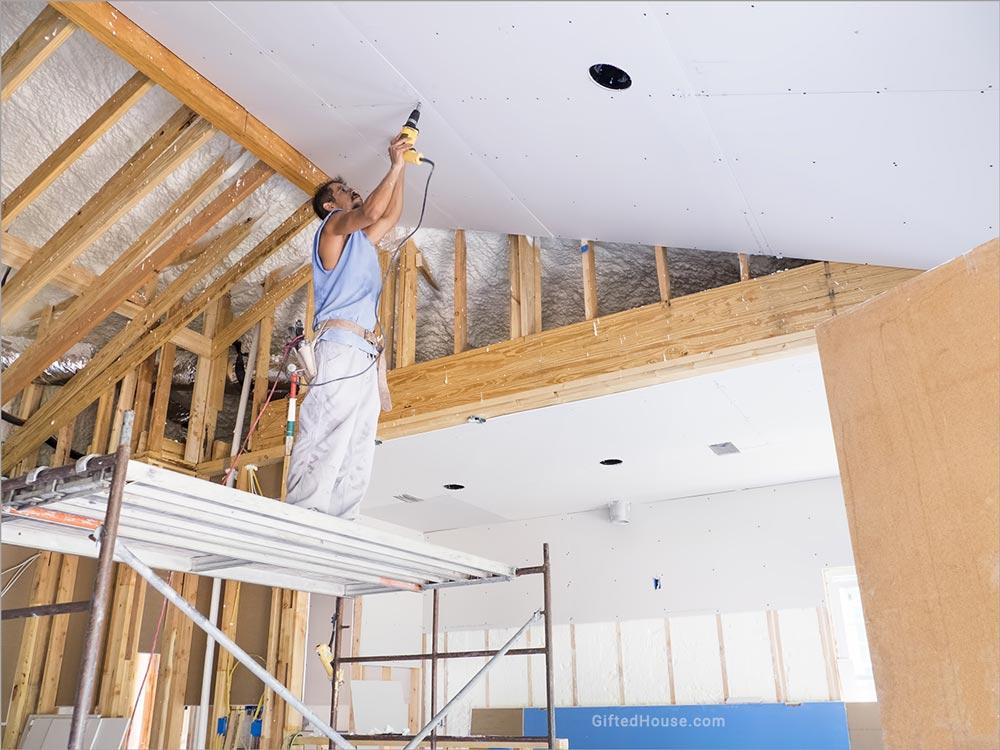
x=139 y=338
x=170 y=145
x=76 y=280
x=82 y=138
x=461 y=328
x=145 y=54
x=589 y=281
x=722 y=327
x=662 y=272
x=43 y=36
x=136 y=267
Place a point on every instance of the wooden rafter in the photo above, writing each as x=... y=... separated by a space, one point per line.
x=718 y=327
x=82 y=138
x=161 y=397
x=77 y=280
x=139 y=338
x=135 y=267
x=43 y=36
x=744 y=261
x=264 y=307
x=145 y=54
x=199 y=437
x=184 y=132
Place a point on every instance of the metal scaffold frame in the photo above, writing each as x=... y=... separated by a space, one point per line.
x=110 y=507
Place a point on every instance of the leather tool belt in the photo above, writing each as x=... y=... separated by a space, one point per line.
x=376 y=340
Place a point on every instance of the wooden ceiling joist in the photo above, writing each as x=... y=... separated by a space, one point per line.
x=43 y=36
x=76 y=280
x=725 y=326
x=145 y=54
x=139 y=339
x=264 y=307
x=82 y=138
x=170 y=145
x=136 y=266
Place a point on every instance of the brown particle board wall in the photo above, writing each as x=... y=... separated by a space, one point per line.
x=913 y=381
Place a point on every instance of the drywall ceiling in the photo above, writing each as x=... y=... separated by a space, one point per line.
x=863 y=132
x=547 y=461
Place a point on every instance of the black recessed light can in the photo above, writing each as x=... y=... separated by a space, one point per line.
x=611 y=462
x=454 y=486
x=610 y=77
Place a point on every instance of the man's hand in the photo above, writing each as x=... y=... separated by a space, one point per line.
x=397 y=147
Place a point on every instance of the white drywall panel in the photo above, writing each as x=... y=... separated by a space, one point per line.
x=749 y=666
x=597 y=665
x=748 y=550
x=802 y=653
x=508 y=680
x=644 y=662
x=694 y=651
x=391 y=624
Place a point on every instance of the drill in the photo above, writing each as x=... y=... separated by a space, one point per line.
x=410 y=133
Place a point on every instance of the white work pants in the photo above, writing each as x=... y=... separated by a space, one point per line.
x=333 y=451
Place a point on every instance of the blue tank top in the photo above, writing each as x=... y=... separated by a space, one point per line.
x=350 y=291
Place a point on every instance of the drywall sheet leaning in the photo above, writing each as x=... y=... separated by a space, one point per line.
x=912 y=382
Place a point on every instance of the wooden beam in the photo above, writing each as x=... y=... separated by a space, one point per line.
x=264 y=307
x=116 y=31
x=744 y=260
x=406 y=322
x=425 y=271
x=102 y=421
x=529 y=285
x=461 y=327
x=136 y=266
x=662 y=272
x=203 y=394
x=52 y=668
x=719 y=327
x=143 y=409
x=139 y=338
x=43 y=36
x=126 y=402
x=149 y=166
x=76 y=280
x=262 y=366
x=82 y=138
x=387 y=307
x=175 y=658
x=161 y=398
x=589 y=281
x=31 y=397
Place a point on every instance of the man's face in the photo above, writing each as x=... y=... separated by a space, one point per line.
x=344 y=197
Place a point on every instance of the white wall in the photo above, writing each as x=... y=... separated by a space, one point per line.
x=739 y=551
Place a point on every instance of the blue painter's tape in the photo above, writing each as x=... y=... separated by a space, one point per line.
x=221 y=724
x=583 y=248
x=749 y=726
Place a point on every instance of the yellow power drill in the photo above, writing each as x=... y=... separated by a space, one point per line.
x=410 y=133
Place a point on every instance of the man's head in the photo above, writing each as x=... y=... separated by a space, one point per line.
x=333 y=195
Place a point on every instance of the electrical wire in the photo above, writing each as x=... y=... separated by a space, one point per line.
x=18 y=571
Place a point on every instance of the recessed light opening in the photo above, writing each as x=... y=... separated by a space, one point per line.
x=454 y=486
x=610 y=77
x=611 y=462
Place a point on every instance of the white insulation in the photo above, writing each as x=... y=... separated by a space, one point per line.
x=749 y=666
x=644 y=662
x=802 y=652
x=694 y=652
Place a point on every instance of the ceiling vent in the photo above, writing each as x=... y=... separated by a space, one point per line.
x=404 y=498
x=723 y=449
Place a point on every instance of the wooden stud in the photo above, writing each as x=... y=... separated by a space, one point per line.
x=197 y=440
x=177 y=139
x=572 y=659
x=744 y=266
x=662 y=272
x=116 y=31
x=82 y=138
x=722 y=658
x=461 y=326
x=262 y=366
x=406 y=323
x=52 y=668
x=829 y=653
x=34 y=639
x=76 y=280
x=263 y=308
x=43 y=36
x=670 y=663
x=514 y=274
x=536 y=250
x=139 y=339
x=219 y=377
x=621 y=662
x=143 y=393
x=161 y=398
x=116 y=642
x=224 y=664
x=102 y=422
x=307 y=324
x=777 y=658
x=136 y=267
x=126 y=401
x=387 y=307
x=589 y=281
x=168 y=704
x=525 y=256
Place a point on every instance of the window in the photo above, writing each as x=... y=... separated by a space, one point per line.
x=847 y=620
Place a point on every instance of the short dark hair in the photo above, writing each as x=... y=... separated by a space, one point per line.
x=324 y=194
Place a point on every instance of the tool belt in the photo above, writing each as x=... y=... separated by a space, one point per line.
x=377 y=341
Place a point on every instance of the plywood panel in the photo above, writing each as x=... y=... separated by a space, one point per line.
x=912 y=383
